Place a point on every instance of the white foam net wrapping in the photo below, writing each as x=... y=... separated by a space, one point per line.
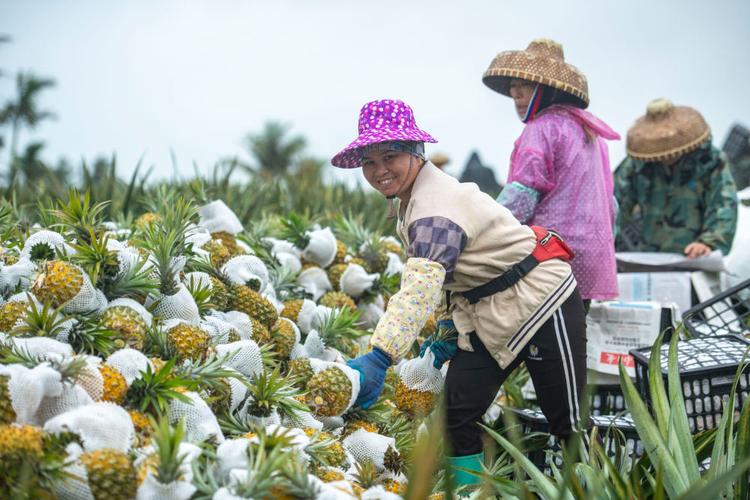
x=200 y=421
x=151 y=489
x=42 y=347
x=289 y=261
x=28 y=387
x=420 y=374
x=302 y=420
x=181 y=305
x=75 y=486
x=322 y=247
x=336 y=490
x=364 y=445
x=130 y=363
x=90 y=378
x=232 y=454
x=239 y=320
x=18 y=274
x=135 y=306
x=218 y=329
x=306 y=315
x=198 y=236
x=87 y=299
x=238 y=393
x=332 y=423
x=315 y=282
x=217 y=216
x=395 y=265
x=54 y=241
x=246 y=357
x=379 y=493
x=282 y=246
x=315 y=348
x=242 y=269
x=71 y=397
x=318 y=365
x=100 y=425
x=371 y=312
x=198 y=279
x=355 y=280
x=297 y=335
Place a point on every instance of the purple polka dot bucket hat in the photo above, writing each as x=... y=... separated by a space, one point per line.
x=385 y=120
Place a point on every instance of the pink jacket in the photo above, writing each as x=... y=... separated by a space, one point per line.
x=560 y=179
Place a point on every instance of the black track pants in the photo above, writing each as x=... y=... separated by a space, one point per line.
x=556 y=360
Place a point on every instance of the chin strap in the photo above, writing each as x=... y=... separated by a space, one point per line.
x=392 y=199
x=533 y=107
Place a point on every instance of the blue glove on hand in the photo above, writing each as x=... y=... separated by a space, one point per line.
x=442 y=349
x=371 y=367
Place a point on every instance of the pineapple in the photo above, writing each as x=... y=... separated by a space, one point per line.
x=394 y=486
x=300 y=370
x=415 y=403
x=7 y=413
x=355 y=425
x=393 y=461
x=129 y=327
x=341 y=252
x=229 y=241
x=146 y=220
x=338 y=330
x=334 y=275
x=334 y=453
x=219 y=294
x=292 y=308
x=142 y=428
x=245 y=299
x=10 y=313
x=188 y=342
x=20 y=444
x=366 y=475
x=271 y=391
x=338 y=300
x=260 y=333
x=115 y=385
x=111 y=474
x=58 y=283
x=219 y=396
x=329 y=475
x=429 y=327
x=329 y=392
x=218 y=252
x=283 y=336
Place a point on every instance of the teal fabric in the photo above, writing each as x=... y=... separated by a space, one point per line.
x=470 y=462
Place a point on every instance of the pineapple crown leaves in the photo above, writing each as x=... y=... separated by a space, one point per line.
x=445 y=334
x=385 y=284
x=340 y=323
x=153 y=391
x=202 y=294
x=296 y=481
x=351 y=231
x=264 y=464
x=366 y=473
x=134 y=282
x=393 y=461
x=157 y=343
x=69 y=368
x=78 y=218
x=271 y=391
x=284 y=282
x=89 y=337
x=95 y=258
x=210 y=372
x=321 y=449
x=262 y=249
x=41 y=320
x=166 y=440
x=294 y=228
x=166 y=248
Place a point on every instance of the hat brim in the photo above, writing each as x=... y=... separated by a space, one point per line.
x=350 y=156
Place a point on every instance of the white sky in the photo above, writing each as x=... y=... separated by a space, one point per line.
x=142 y=76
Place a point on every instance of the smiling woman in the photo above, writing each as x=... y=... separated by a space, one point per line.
x=512 y=294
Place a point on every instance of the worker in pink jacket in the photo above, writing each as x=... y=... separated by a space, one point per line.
x=560 y=176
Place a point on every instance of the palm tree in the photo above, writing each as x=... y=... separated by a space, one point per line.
x=273 y=151
x=23 y=111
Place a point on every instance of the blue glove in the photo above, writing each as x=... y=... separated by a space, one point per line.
x=371 y=367
x=442 y=349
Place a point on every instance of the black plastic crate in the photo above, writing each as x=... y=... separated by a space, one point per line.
x=707 y=368
x=606 y=399
x=535 y=428
x=727 y=313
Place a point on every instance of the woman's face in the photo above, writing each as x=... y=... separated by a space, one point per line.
x=389 y=172
x=521 y=92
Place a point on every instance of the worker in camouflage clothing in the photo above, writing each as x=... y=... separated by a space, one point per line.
x=676 y=183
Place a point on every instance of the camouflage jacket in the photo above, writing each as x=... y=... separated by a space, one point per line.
x=692 y=200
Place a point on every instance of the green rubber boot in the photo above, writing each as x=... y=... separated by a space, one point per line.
x=469 y=462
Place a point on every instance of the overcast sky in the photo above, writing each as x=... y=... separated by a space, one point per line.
x=139 y=77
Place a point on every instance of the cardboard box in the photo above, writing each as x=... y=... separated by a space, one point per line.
x=665 y=288
x=614 y=328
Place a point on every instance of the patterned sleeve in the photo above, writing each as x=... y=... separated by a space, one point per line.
x=408 y=310
x=520 y=200
x=437 y=239
x=720 y=219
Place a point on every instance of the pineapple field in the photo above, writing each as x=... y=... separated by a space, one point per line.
x=187 y=351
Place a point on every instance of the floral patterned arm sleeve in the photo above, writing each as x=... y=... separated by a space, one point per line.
x=408 y=310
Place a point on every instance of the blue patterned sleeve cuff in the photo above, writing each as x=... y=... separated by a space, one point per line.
x=437 y=239
x=520 y=200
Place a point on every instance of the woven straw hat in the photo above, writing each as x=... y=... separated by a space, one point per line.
x=439 y=159
x=542 y=62
x=666 y=132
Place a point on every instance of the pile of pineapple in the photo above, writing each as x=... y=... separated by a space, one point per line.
x=186 y=355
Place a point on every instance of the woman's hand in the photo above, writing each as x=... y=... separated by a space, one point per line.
x=371 y=367
x=697 y=249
